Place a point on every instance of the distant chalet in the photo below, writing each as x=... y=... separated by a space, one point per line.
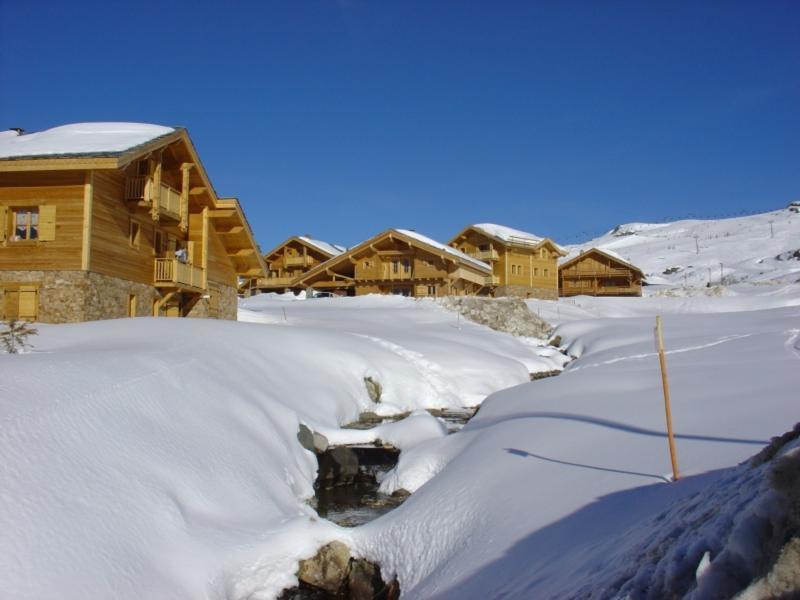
x=107 y=220
x=289 y=261
x=400 y=262
x=599 y=273
x=523 y=264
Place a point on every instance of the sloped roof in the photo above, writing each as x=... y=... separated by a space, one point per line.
x=443 y=248
x=329 y=249
x=407 y=235
x=80 y=139
x=608 y=254
x=510 y=236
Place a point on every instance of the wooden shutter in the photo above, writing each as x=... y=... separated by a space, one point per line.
x=191 y=249
x=28 y=302
x=47 y=223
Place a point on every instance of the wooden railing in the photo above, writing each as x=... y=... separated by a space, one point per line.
x=297 y=261
x=492 y=280
x=169 y=200
x=400 y=275
x=172 y=272
x=275 y=281
x=597 y=273
x=485 y=254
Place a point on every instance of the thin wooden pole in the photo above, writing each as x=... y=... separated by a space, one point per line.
x=662 y=359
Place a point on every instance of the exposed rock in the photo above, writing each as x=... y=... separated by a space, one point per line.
x=401 y=493
x=374 y=389
x=337 y=466
x=329 y=568
x=510 y=315
x=544 y=374
x=365 y=583
x=311 y=440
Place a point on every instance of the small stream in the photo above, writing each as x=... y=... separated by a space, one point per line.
x=349 y=476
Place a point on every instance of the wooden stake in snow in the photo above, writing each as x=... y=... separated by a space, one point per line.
x=662 y=359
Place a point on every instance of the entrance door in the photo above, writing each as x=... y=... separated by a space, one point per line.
x=131 y=305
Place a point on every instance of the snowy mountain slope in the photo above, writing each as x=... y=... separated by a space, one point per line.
x=533 y=495
x=158 y=458
x=757 y=249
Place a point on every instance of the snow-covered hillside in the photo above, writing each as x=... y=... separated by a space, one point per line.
x=757 y=249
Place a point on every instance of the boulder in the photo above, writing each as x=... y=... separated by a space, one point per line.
x=329 y=568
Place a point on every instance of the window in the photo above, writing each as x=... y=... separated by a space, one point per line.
x=431 y=290
x=535 y=271
x=483 y=247
x=406 y=265
x=542 y=253
x=25 y=224
x=546 y=272
x=134 y=234
x=367 y=264
x=143 y=167
x=395 y=266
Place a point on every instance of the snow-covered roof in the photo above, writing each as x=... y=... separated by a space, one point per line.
x=79 y=138
x=508 y=234
x=439 y=246
x=331 y=249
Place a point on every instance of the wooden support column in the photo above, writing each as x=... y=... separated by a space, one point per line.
x=156 y=187
x=185 y=188
x=88 y=196
x=204 y=245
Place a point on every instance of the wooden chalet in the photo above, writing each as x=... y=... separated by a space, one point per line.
x=598 y=273
x=289 y=261
x=107 y=220
x=398 y=261
x=523 y=264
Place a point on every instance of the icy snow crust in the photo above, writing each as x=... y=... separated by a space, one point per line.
x=158 y=458
x=80 y=138
x=508 y=234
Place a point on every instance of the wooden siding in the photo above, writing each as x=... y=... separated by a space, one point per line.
x=62 y=192
x=219 y=265
x=594 y=274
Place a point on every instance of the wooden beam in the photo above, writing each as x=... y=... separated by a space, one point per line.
x=156 y=190
x=204 y=245
x=185 y=177
x=88 y=196
x=233 y=230
x=197 y=190
x=241 y=252
x=222 y=213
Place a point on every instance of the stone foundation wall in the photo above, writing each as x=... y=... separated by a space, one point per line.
x=523 y=291
x=75 y=296
x=228 y=304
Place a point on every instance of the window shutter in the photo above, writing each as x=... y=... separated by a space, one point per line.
x=47 y=223
x=28 y=302
x=3 y=223
x=191 y=248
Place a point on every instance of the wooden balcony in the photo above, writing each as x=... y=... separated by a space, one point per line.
x=485 y=255
x=492 y=280
x=266 y=282
x=609 y=272
x=170 y=272
x=140 y=189
x=298 y=261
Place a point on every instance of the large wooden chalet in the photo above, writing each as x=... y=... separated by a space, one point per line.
x=107 y=220
x=523 y=264
x=402 y=262
x=598 y=273
x=289 y=261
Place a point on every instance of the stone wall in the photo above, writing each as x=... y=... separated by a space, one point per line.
x=227 y=304
x=75 y=296
x=523 y=291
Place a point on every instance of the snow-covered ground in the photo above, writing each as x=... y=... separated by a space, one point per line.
x=758 y=249
x=159 y=458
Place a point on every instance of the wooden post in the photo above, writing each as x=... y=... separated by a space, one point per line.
x=156 y=188
x=185 y=185
x=665 y=385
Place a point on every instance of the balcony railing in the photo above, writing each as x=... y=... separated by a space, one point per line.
x=492 y=280
x=140 y=187
x=275 y=281
x=485 y=254
x=170 y=272
x=297 y=261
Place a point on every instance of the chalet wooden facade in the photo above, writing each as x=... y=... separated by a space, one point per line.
x=108 y=220
x=523 y=264
x=288 y=261
x=598 y=273
x=400 y=262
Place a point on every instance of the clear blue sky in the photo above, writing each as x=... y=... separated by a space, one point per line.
x=341 y=119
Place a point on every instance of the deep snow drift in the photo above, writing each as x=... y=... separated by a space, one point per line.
x=159 y=458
